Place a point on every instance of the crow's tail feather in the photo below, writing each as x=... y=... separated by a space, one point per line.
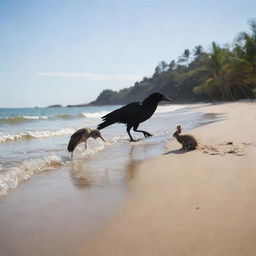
x=105 y=124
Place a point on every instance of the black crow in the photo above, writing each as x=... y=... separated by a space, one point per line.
x=134 y=113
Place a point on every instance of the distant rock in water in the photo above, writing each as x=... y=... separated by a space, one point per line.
x=78 y=105
x=55 y=106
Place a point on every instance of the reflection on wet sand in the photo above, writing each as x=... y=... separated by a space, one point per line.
x=83 y=175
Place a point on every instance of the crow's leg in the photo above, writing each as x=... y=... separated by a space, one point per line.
x=129 y=127
x=146 y=134
x=85 y=145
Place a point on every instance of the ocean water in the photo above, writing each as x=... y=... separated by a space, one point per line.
x=34 y=140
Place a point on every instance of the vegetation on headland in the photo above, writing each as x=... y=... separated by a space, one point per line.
x=225 y=72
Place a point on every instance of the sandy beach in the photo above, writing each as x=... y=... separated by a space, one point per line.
x=192 y=203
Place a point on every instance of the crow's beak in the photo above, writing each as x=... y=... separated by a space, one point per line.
x=102 y=138
x=166 y=99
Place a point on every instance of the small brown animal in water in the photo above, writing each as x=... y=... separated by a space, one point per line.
x=187 y=141
x=82 y=135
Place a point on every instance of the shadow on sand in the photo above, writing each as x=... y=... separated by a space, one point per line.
x=177 y=151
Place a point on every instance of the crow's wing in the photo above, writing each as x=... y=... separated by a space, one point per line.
x=132 y=111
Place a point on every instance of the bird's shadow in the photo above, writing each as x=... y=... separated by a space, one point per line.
x=176 y=151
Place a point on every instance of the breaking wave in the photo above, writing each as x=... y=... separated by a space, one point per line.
x=13 y=176
x=10 y=178
x=8 y=137
x=94 y=115
x=13 y=120
x=21 y=119
x=170 y=108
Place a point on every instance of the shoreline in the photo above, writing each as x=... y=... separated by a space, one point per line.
x=192 y=203
x=15 y=170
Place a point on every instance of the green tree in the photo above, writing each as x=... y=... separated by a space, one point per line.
x=184 y=58
x=198 y=51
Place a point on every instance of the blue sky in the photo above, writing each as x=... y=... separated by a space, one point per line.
x=67 y=52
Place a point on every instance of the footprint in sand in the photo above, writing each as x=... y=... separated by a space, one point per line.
x=224 y=148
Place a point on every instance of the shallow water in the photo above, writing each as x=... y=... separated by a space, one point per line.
x=35 y=139
x=54 y=203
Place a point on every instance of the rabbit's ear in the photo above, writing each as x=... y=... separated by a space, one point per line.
x=178 y=128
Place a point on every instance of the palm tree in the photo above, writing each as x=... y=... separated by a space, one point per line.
x=198 y=50
x=245 y=52
x=163 y=65
x=172 y=65
x=218 y=66
x=246 y=45
x=185 y=57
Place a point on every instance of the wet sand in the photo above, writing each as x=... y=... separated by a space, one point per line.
x=55 y=213
x=192 y=203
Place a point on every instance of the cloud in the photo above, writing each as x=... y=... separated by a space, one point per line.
x=91 y=76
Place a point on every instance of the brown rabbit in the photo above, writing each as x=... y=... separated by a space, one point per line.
x=188 y=142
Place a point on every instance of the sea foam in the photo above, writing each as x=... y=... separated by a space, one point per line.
x=21 y=119
x=8 y=137
x=94 y=115
x=10 y=178
x=170 y=108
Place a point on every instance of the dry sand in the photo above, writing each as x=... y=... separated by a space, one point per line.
x=200 y=202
